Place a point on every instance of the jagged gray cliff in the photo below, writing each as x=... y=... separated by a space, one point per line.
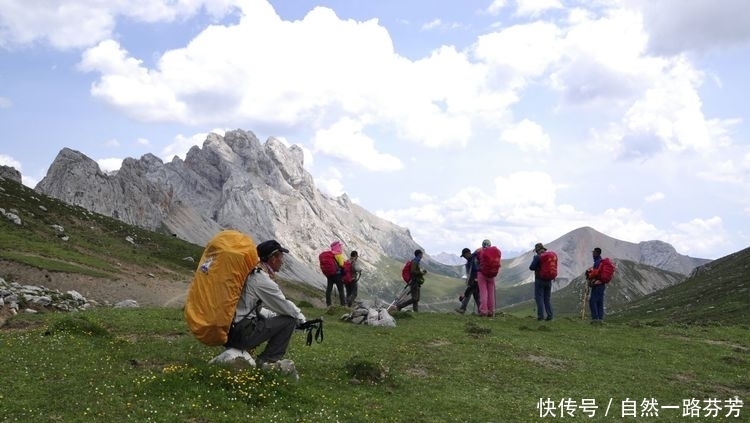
x=235 y=182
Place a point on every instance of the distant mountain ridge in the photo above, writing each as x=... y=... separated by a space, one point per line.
x=574 y=254
x=236 y=182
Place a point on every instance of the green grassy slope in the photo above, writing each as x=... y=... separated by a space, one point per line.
x=124 y=365
x=96 y=245
x=718 y=292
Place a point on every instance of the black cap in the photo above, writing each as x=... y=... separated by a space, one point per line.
x=267 y=248
x=597 y=250
x=464 y=251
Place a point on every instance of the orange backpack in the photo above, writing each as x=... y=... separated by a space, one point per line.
x=217 y=285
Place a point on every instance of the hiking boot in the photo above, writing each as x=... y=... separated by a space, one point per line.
x=459 y=310
x=548 y=318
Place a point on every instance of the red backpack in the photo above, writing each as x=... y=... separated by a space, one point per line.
x=606 y=270
x=328 y=264
x=406 y=272
x=348 y=276
x=548 y=265
x=489 y=261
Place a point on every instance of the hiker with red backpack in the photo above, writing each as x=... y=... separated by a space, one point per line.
x=598 y=276
x=352 y=272
x=489 y=267
x=544 y=266
x=332 y=266
x=416 y=279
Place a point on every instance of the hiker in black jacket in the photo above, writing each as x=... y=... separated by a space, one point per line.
x=472 y=289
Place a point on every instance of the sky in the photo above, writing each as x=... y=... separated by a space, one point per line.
x=512 y=120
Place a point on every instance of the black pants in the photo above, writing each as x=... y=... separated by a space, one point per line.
x=351 y=293
x=335 y=280
x=472 y=290
x=276 y=330
x=414 y=300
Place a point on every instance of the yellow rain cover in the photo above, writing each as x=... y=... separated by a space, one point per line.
x=216 y=287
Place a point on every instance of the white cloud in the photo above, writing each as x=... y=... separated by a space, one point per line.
x=534 y=8
x=528 y=136
x=5 y=103
x=496 y=6
x=435 y=23
x=675 y=26
x=421 y=197
x=346 y=140
x=182 y=144
x=6 y=160
x=142 y=141
x=654 y=197
x=110 y=164
x=329 y=182
x=78 y=24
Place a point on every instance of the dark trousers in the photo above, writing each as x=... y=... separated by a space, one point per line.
x=472 y=290
x=335 y=280
x=351 y=293
x=596 y=302
x=414 y=289
x=276 y=330
x=542 y=295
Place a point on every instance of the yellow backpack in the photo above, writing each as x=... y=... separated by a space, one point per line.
x=217 y=285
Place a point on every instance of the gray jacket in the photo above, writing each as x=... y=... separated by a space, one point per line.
x=259 y=286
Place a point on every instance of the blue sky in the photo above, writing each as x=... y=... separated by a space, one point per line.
x=513 y=120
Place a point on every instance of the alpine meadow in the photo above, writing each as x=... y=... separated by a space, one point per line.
x=679 y=354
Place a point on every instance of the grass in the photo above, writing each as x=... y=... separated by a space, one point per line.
x=56 y=236
x=144 y=365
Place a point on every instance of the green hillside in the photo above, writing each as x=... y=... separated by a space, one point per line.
x=718 y=292
x=56 y=236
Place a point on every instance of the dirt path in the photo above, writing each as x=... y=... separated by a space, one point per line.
x=148 y=289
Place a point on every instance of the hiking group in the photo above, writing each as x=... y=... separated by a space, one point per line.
x=483 y=265
x=340 y=273
x=234 y=300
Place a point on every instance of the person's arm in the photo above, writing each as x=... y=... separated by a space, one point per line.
x=534 y=263
x=357 y=270
x=273 y=299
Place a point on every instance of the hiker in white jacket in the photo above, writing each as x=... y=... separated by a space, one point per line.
x=263 y=312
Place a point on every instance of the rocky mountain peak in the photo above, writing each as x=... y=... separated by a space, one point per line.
x=232 y=181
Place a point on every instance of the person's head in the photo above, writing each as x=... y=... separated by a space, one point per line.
x=539 y=248
x=596 y=252
x=486 y=243
x=466 y=253
x=418 y=253
x=337 y=247
x=271 y=253
x=354 y=255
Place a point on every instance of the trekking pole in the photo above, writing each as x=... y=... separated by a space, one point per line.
x=400 y=296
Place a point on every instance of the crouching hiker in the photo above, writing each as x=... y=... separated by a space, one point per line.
x=264 y=314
